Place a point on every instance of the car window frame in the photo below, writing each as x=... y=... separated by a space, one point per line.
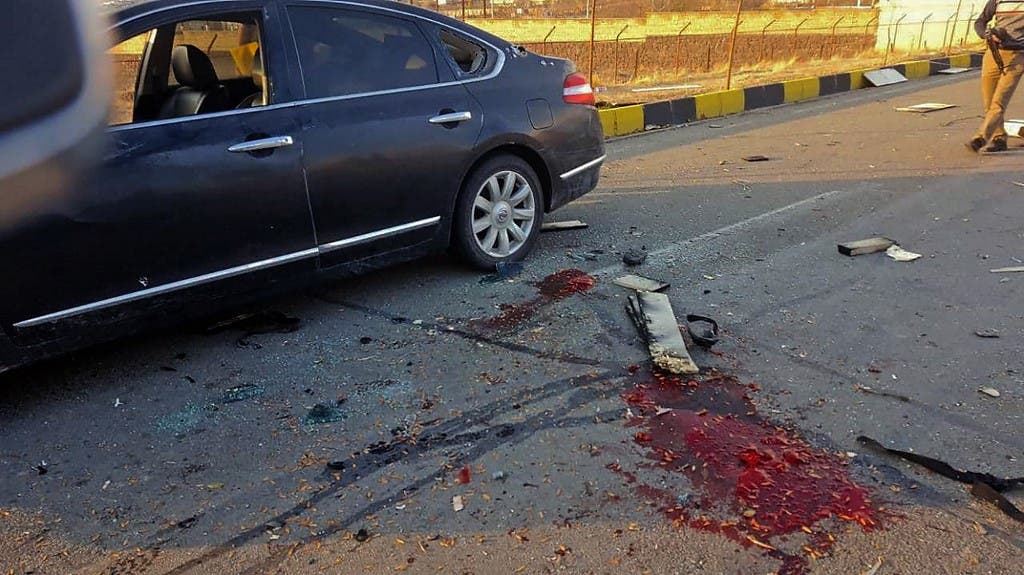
x=276 y=24
x=158 y=18
x=455 y=67
x=410 y=19
x=428 y=26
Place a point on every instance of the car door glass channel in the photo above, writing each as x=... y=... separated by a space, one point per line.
x=379 y=234
x=167 y=288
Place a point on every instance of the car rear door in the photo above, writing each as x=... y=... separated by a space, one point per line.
x=179 y=203
x=388 y=132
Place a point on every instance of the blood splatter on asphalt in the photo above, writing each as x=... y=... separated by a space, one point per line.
x=755 y=481
x=553 y=288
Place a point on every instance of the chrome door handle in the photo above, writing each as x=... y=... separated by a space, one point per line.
x=262 y=144
x=451 y=118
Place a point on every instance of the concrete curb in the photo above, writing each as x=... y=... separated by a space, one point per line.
x=632 y=119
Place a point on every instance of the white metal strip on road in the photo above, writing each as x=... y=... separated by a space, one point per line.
x=733 y=227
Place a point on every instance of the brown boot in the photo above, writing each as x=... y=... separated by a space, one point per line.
x=976 y=144
x=996 y=145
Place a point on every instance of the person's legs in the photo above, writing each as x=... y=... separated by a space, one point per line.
x=992 y=127
x=989 y=78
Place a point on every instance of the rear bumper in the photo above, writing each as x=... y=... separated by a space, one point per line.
x=576 y=181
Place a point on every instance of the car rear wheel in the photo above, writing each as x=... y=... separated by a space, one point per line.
x=499 y=212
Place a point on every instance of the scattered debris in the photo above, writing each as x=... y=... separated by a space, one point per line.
x=1010 y=270
x=874 y=568
x=321 y=413
x=187 y=523
x=989 y=391
x=1018 y=184
x=241 y=393
x=464 y=475
x=118 y=402
x=502 y=272
x=365 y=340
x=703 y=336
x=267 y=321
x=336 y=465
x=955 y=70
x=755 y=158
x=1013 y=128
x=662 y=410
x=499 y=476
x=652 y=313
x=362 y=536
x=457 y=503
x=634 y=257
x=901 y=255
x=868 y=246
x=255 y=324
x=884 y=77
x=563 y=226
x=926 y=107
x=640 y=283
x=42 y=468
x=584 y=257
x=984 y=486
x=987 y=333
x=870 y=391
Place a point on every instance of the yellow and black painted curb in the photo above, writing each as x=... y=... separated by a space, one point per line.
x=632 y=119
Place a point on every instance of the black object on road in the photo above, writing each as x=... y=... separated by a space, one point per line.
x=984 y=486
x=703 y=330
x=634 y=257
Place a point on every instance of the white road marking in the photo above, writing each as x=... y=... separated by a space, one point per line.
x=679 y=246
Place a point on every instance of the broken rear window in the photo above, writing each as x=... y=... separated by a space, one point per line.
x=470 y=57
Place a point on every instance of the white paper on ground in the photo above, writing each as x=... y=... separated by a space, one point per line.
x=901 y=255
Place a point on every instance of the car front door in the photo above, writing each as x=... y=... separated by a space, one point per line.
x=202 y=182
x=388 y=132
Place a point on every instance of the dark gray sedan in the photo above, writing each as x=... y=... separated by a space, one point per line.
x=257 y=144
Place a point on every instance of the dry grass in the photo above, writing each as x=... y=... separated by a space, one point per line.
x=578 y=29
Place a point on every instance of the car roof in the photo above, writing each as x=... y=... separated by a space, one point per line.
x=120 y=10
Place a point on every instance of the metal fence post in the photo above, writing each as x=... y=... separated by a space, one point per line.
x=593 y=26
x=764 y=33
x=967 y=30
x=732 y=43
x=920 y=35
x=545 y=41
x=946 y=34
x=952 y=33
x=868 y=25
x=832 y=39
x=679 y=45
x=615 y=78
x=891 y=44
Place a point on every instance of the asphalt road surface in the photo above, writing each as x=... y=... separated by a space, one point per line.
x=423 y=419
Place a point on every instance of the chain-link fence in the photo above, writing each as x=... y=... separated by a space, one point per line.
x=634 y=43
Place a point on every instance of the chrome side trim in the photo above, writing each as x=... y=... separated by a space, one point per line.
x=498 y=66
x=264 y=144
x=379 y=234
x=167 y=288
x=582 y=168
x=451 y=118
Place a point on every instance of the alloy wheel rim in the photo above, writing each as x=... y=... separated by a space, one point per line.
x=504 y=213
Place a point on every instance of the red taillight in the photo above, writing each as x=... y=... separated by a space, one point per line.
x=577 y=90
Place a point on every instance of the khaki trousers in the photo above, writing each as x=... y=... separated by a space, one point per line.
x=996 y=90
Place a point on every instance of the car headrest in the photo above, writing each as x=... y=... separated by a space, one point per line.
x=192 y=67
x=257 y=68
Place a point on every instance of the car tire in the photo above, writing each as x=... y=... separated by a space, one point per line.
x=499 y=213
